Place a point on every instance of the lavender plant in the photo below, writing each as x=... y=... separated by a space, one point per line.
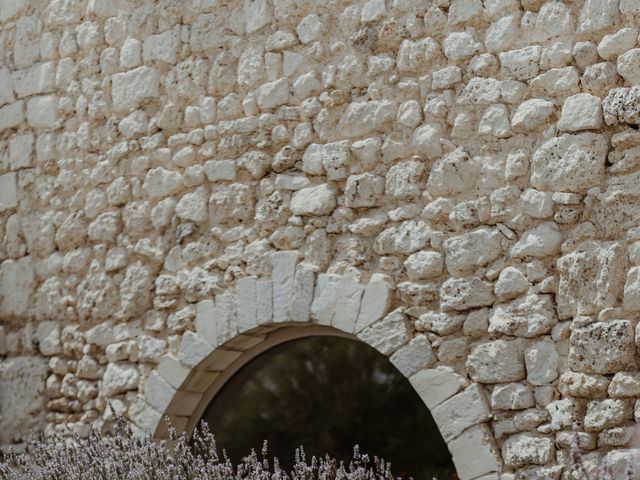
x=125 y=455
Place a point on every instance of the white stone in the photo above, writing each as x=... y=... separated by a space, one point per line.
x=324 y=297
x=632 y=290
x=512 y=396
x=414 y=356
x=48 y=336
x=495 y=121
x=246 y=295
x=8 y=190
x=162 y=47
x=364 y=118
x=582 y=111
x=161 y=182
x=463 y=410
x=502 y=34
x=318 y=200
x=302 y=294
x=603 y=348
x=407 y=237
x=426 y=140
x=424 y=265
x=6 y=86
x=526 y=449
x=131 y=53
x=42 y=112
x=617 y=43
x=372 y=11
x=485 y=458
x=388 y=334
x=130 y=89
x=283 y=274
x=36 y=79
x=511 y=283
x=193 y=206
x=536 y=204
x=193 y=350
x=364 y=190
x=542 y=361
x=17 y=283
x=257 y=14
x=466 y=252
x=220 y=170
x=436 y=385
x=158 y=393
x=376 y=301
x=541 y=241
x=624 y=385
x=554 y=20
x=459 y=46
x=532 y=114
x=309 y=29
x=499 y=361
x=274 y=94
x=446 y=77
x=347 y=305
x=527 y=316
x=465 y=293
x=521 y=64
x=120 y=378
x=597 y=14
x=628 y=66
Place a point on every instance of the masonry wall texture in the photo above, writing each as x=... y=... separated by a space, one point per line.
x=453 y=182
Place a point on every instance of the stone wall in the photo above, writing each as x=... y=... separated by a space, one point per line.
x=453 y=182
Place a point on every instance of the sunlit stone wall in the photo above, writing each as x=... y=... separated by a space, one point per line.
x=454 y=182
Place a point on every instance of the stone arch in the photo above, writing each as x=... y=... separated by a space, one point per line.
x=296 y=301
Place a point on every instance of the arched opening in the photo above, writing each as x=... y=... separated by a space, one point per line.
x=327 y=393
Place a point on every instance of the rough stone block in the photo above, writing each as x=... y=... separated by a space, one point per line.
x=283 y=276
x=436 y=385
x=499 y=361
x=603 y=347
x=485 y=458
x=130 y=89
x=463 y=410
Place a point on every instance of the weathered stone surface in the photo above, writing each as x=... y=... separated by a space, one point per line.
x=527 y=316
x=464 y=410
x=591 y=278
x=17 y=283
x=465 y=293
x=542 y=361
x=388 y=334
x=319 y=200
x=570 y=163
x=486 y=458
x=526 y=449
x=364 y=118
x=130 y=89
x=603 y=347
x=414 y=356
x=499 y=361
x=464 y=253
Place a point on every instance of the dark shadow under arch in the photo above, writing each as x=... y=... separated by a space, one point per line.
x=327 y=393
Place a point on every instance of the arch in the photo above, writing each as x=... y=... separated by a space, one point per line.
x=295 y=302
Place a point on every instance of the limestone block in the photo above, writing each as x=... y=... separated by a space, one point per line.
x=160 y=182
x=582 y=385
x=597 y=14
x=495 y=121
x=436 y=385
x=162 y=47
x=48 y=337
x=632 y=290
x=460 y=45
x=466 y=252
x=480 y=91
x=172 y=371
x=283 y=275
x=410 y=113
x=616 y=43
x=532 y=114
x=246 y=295
x=220 y=359
x=554 y=20
x=414 y=356
x=511 y=283
x=453 y=174
x=499 y=361
x=625 y=384
x=318 y=200
x=591 y=278
x=388 y=334
x=570 y=163
x=424 y=265
x=425 y=141
x=542 y=362
x=8 y=190
x=325 y=297
x=302 y=294
x=562 y=81
x=521 y=64
x=623 y=463
x=376 y=301
x=37 y=79
x=309 y=28
x=563 y=413
x=465 y=293
x=42 y=111
x=527 y=449
x=446 y=77
x=502 y=33
x=527 y=316
x=582 y=111
x=119 y=378
x=364 y=118
x=485 y=458
x=193 y=350
x=11 y=8
x=11 y=115
x=364 y=190
x=257 y=14
x=608 y=413
x=407 y=237
x=158 y=393
x=335 y=160
x=22 y=382
x=264 y=301
x=372 y=11
x=463 y=410
x=512 y=396
x=17 y=283
x=130 y=89
x=220 y=170
x=603 y=347
x=347 y=305
x=192 y=207
x=273 y=94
